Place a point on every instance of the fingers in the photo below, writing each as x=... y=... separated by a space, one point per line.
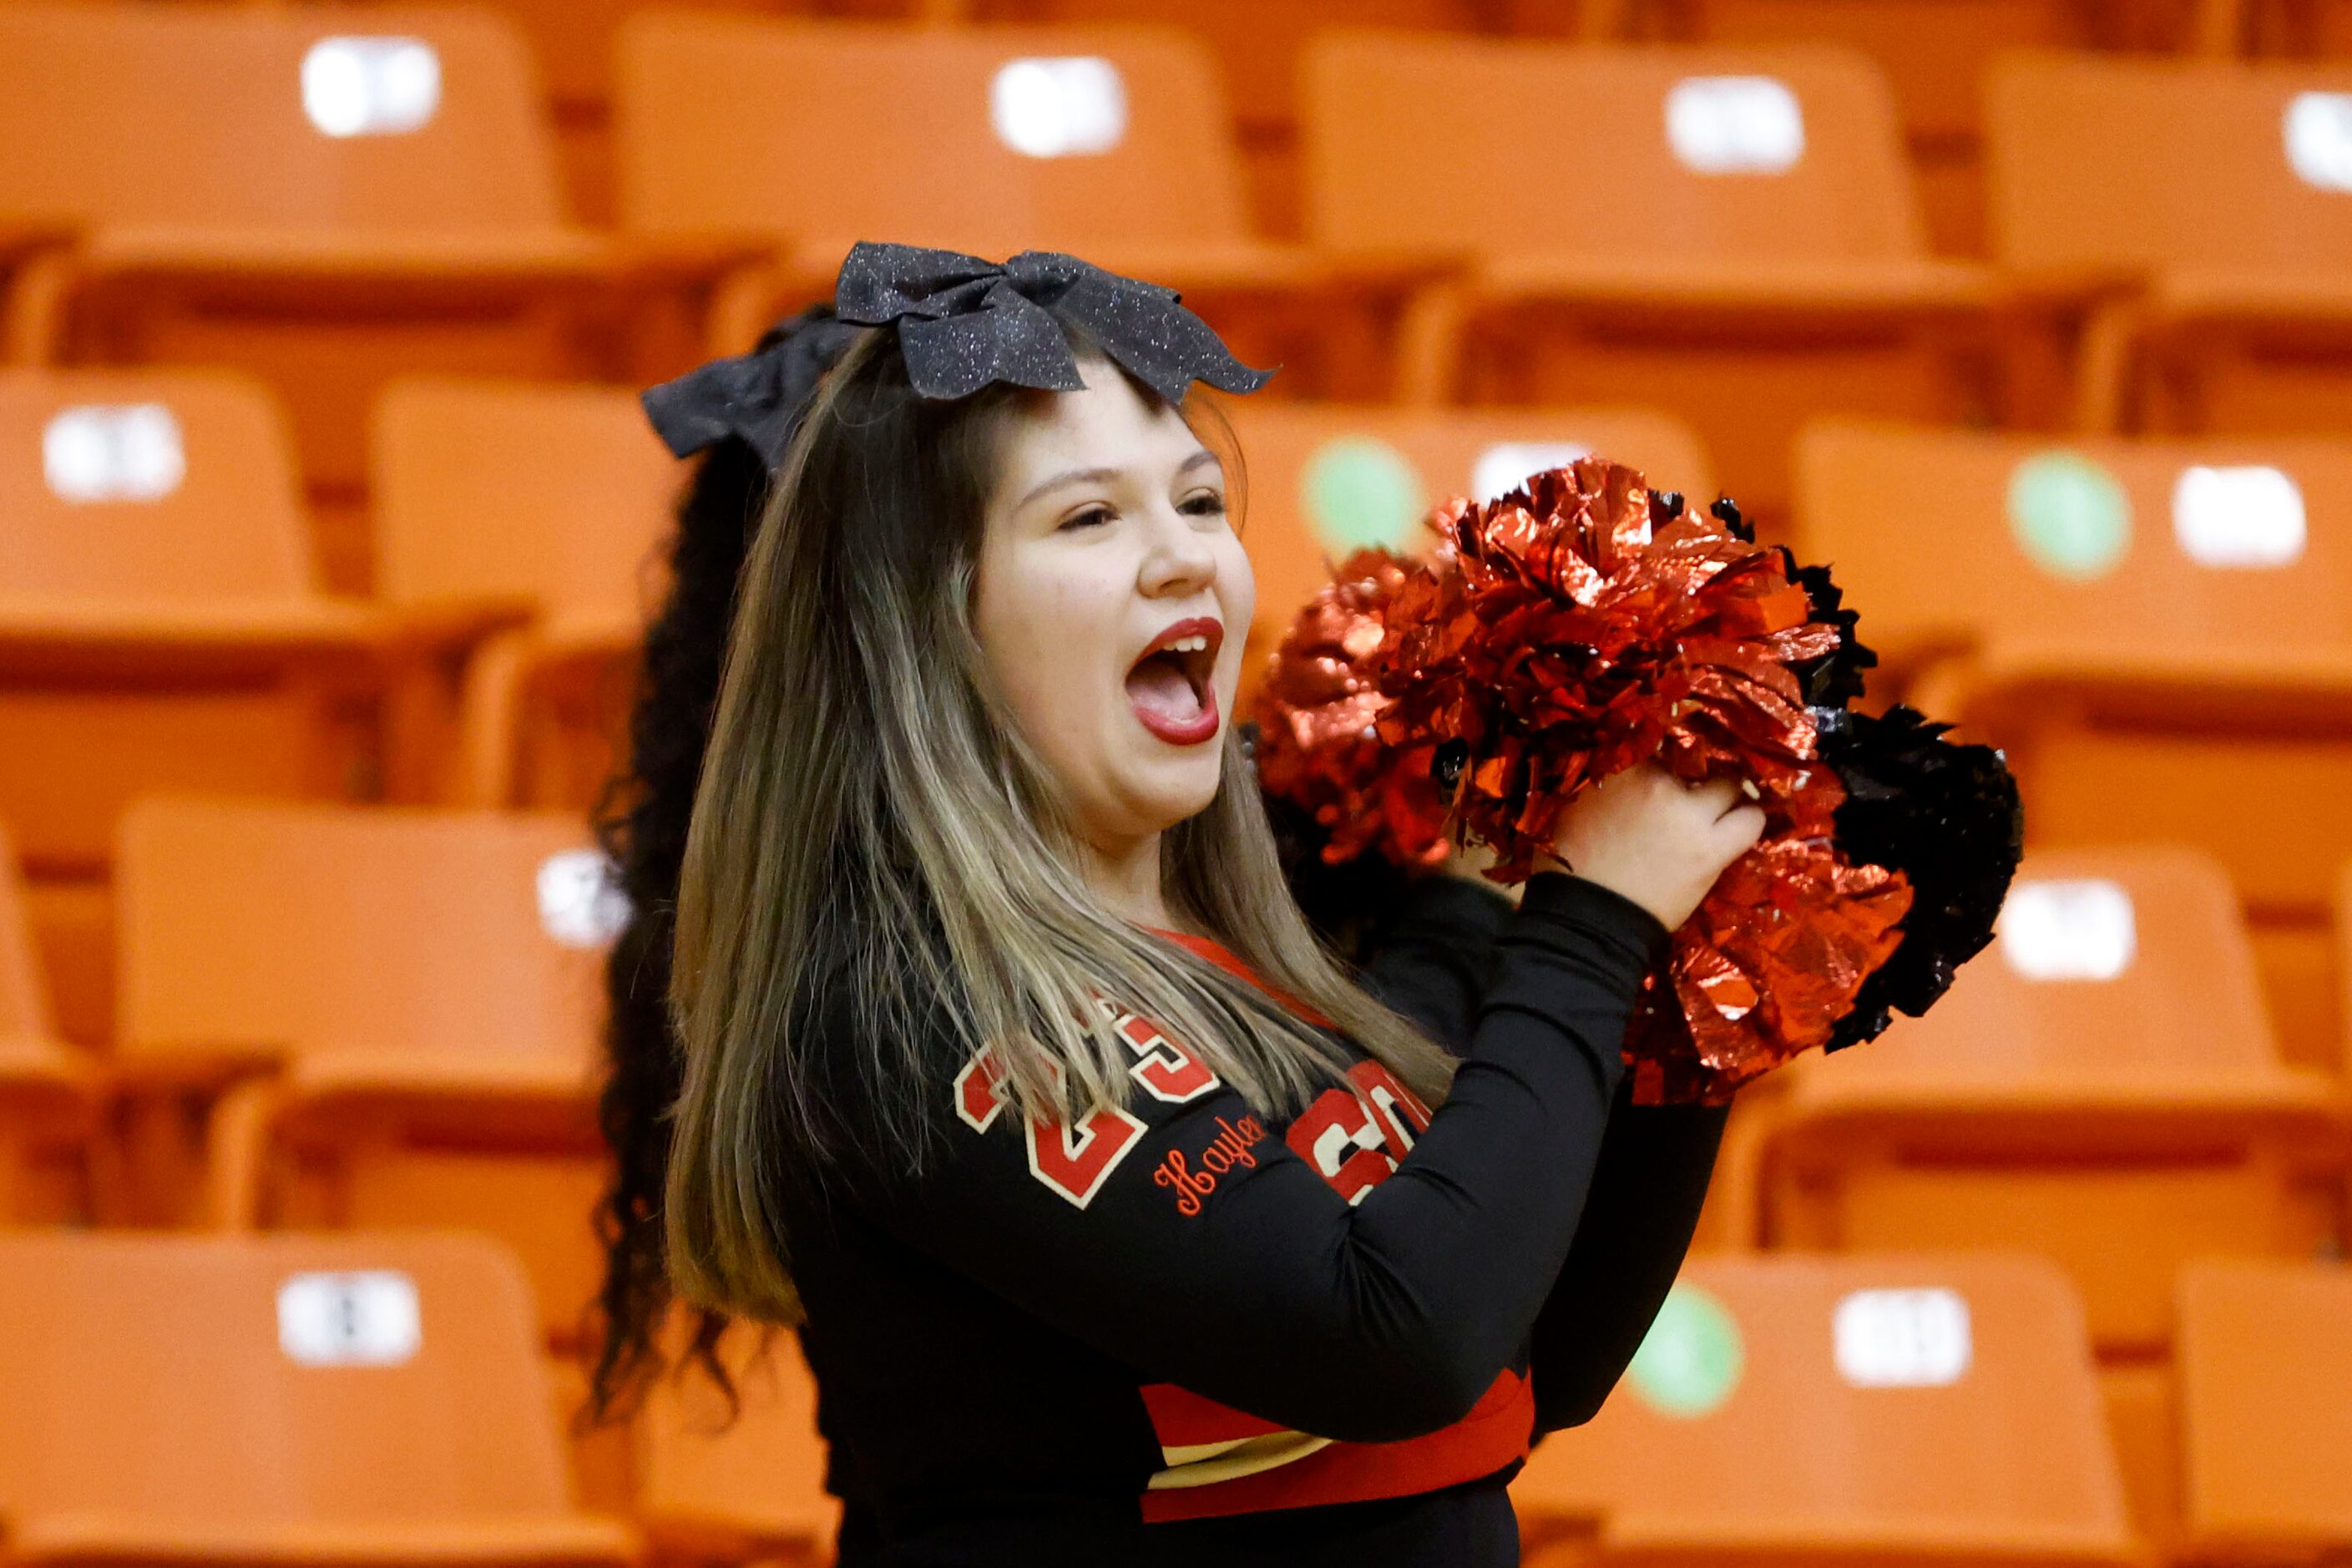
x=1724 y=795
x=1741 y=827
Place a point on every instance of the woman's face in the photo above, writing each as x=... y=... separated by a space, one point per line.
x=1113 y=602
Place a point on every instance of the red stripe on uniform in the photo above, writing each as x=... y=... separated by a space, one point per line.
x=1494 y=1434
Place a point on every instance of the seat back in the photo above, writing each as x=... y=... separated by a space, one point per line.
x=23 y=998
x=1950 y=537
x=326 y=929
x=754 y=1467
x=2340 y=919
x=147 y=487
x=2123 y=966
x=423 y=119
x=1324 y=481
x=1612 y=153
x=837 y=132
x=1893 y=1399
x=2265 y=1359
x=187 y=1383
x=559 y=495
x=2111 y=164
x=1257 y=42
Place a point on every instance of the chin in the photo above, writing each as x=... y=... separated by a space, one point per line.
x=1177 y=790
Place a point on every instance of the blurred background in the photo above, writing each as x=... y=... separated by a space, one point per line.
x=327 y=523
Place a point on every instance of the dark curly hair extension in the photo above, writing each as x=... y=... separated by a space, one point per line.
x=641 y=823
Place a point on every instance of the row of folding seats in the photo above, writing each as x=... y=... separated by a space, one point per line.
x=310 y=970
x=355 y=1016
x=2154 y=628
x=1934 y=55
x=1757 y=254
x=2103 y=1089
x=375 y=1395
x=352 y=1400
x=1940 y=1407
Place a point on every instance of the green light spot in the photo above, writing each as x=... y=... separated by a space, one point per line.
x=1691 y=1359
x=2069 y=514
x=1358 y=493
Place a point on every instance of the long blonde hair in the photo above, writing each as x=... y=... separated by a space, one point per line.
x=876 y=856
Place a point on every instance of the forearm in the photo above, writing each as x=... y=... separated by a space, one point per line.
x=1643 y=1206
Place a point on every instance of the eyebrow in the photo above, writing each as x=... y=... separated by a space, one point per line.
x=1098 y=476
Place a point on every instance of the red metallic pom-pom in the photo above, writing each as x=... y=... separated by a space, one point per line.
x=1768 y=964
x=1318 y=746
x=1563 y=634
x=1568 y=636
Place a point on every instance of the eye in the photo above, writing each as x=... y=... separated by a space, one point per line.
x=1093 y=516
x=1207 y=503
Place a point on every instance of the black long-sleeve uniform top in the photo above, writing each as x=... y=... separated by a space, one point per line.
x=1182 y=1329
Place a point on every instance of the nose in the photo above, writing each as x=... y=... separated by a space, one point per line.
x=1177 y=560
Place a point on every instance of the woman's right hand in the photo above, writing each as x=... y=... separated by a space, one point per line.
x=1647 y=836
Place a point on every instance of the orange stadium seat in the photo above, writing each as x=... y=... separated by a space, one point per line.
x=2342 y=968
x=1323 y=481
x=1728 y=234
x=1881 y=1409
x=740 y=1482
x=2204 y=202
x=49 y=1096
x=2266 y=1429
x=321 y=1400
x=1935 y=54
x=489 y=495
x=161 y=627
x=425 y=987
x=2161 y=633
x=2101 y=1087
x=2295 y=28
x=320 y=194
x=1258 y=43
x=1108 y=142
x=572 y=43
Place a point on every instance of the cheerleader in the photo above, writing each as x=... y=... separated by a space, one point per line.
x=1121 y=1223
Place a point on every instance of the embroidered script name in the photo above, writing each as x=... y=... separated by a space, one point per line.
x=1230 y=1148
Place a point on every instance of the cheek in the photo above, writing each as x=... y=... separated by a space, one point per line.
x=1236 y=603
x=1044 y=625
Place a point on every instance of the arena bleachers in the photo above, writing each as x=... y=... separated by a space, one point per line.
x=1730 y=235
x=406 y=1414
x=2157 y=630
x=1894 y=1409
x=329 y=521
x=2195 y=209
x=162 y=627
x=400 y=1008
x=260 y=186
x=517 y=529
x=1108 y=142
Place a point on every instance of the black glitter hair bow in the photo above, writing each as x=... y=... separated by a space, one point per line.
x=965 y=322
x=756 y=397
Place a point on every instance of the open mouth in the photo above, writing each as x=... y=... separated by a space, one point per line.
x=1172 y=688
